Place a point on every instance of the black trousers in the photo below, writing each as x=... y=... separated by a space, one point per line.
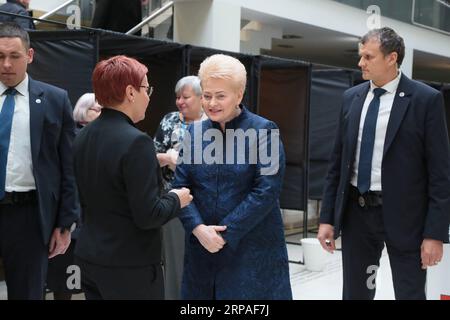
x=25 y=256
x=363 y=239
x=121 y=283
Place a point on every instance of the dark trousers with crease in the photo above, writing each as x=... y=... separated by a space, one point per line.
x=121 y=283
x=24 y=254
x=363 y=239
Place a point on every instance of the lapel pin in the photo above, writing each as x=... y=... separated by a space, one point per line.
x=402 y=94
x=38 y=101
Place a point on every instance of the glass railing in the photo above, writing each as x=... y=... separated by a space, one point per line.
x=433 y=14
x=72 y=14
x=156 y=22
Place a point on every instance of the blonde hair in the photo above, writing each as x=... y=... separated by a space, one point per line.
x=221 y=66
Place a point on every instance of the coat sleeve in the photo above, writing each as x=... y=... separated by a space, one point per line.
x=142 y=180
x=437 y=160
x=68 y=207
x=265 y=192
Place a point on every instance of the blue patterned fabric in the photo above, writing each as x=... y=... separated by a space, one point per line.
x=254 y=263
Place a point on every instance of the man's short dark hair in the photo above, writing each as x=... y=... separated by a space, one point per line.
x=13 y=30
x=389 y=40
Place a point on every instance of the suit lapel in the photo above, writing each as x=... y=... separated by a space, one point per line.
x=354 y=119
x=399 y=107
x=37 y=113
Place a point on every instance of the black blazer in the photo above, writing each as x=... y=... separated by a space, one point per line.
x=415 y=168
x=52 y=133
x=119 y=181
x=117 y=15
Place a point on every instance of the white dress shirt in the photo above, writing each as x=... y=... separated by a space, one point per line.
x=19 y=167
x=386 y=101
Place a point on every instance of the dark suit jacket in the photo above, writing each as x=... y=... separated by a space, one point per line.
x=119 y=181
x=415 y=168
x=117 y=15
x=52 y=132
x=16 y=8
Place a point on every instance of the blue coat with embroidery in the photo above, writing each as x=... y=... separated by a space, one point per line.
x=243 y=196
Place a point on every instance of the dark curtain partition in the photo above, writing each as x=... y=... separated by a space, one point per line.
x=446 y=92
x=65 y=59
x=284 y=87
x=327 y=87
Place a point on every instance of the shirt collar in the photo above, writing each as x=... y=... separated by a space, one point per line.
x=391 y=86
x=22 y=87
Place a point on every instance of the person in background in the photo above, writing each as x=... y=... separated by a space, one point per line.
x=388 y=180
x=19 y=7
x=168 y=140
x=38 y=207
x=86 y=110
x=117 y=15
x=119 y=185
x=235 y=245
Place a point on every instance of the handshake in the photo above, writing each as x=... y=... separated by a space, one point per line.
x=184 y=194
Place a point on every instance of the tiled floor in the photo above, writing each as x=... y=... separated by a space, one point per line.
x=327 y=284
x=307 y=285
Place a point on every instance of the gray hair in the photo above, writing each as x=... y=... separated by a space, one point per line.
x=389 y=40
x=189 y=81
x=82 y=106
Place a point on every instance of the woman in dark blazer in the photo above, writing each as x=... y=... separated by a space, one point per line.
x=119 y=184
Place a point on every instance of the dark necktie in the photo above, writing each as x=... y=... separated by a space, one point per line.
x=6 y=117
x=367 y=142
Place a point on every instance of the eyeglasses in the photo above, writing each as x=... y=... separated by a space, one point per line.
x=96 y=109
x=148 y=89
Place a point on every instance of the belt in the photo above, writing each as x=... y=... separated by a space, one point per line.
x=368 y=199
x=19 y=197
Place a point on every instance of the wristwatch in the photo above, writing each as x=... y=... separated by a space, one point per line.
x=70 y=228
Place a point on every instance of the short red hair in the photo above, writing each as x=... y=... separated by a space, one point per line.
x=111 y=77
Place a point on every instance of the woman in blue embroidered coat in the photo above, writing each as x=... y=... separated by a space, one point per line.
x=235 y=246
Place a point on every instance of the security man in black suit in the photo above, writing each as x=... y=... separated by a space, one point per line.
x=38 y=204
x=388 y=180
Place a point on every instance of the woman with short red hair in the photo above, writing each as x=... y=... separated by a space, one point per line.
x=119 y=247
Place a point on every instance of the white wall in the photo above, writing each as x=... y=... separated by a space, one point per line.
x=209 y=23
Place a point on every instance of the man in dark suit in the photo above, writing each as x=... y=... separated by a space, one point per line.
x=37 y=187
x=17 y=7
x=119 y=182
x=117 y=15
x=388 y=180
